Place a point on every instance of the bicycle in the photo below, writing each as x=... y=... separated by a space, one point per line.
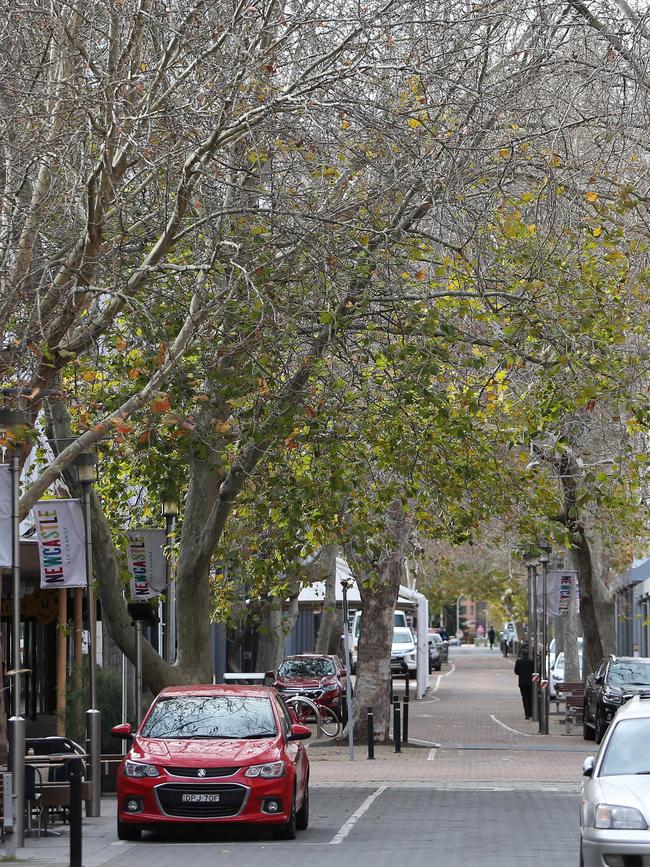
x=306 y=710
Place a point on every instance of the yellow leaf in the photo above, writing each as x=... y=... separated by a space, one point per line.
x=597 y=231
x=405 y=275
x=222 y=426
x=89 y=375
x=504 y=152
x=591 y=196
x=413 y=122
x=532 y=228
x=345 y=124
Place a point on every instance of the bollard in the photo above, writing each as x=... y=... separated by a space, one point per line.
x=371 y=733
x=405 y=717
x=94 y=735
x=397 y=735
x=75 y=814
x=17 y=760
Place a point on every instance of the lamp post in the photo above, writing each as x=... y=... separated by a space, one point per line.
x=345 y=586
x=531 y=567
x=85 y=465
x=545 y=550
x=458 y=616
x=10 y=420
x=170 y=511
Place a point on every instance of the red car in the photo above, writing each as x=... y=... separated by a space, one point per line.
x=318 y=676
x=209 y=754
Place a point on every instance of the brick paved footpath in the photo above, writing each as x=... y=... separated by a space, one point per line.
x=473 y=712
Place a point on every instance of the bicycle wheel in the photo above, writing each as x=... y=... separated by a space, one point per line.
x=330 y=724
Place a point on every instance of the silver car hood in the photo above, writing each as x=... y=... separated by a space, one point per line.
x=626 y=790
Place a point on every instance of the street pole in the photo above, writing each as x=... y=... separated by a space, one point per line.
x=170 y=510
x=85 y=463
x=138 y=672
x=348 y=678
x=17 y=723
x=534 y=650
x=544 y=698
x=458 y=616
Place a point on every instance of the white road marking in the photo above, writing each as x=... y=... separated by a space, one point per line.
x=346 y=827
x=440 y=677
x=422 y=743
x=514 y=731
x=432 y=754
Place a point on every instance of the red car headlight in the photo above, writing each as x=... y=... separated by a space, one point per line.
x=268 y=771
x=140 y=769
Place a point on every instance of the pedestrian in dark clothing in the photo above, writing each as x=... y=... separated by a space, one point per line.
x=524 y=671
x=491 y=637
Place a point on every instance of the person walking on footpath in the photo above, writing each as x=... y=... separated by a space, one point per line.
x=491 y=637
x=524 y=671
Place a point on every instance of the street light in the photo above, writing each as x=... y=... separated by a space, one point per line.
x=85 y=466
x=545 y=551
x=346 y=583
x=530 y=558
x=10 y=421
x=170 y=511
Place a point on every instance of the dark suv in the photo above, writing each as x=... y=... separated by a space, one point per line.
x=616 y=679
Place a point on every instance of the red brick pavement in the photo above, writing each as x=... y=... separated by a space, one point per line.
x=473 y=712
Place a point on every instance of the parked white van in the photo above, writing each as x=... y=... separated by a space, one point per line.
x=399 y=621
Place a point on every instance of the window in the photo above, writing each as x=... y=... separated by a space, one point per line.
x=211 y=716
x=630 y=673
x=306 y=667
x=628 y=749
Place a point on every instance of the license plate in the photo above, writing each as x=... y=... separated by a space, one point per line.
x=207 y=798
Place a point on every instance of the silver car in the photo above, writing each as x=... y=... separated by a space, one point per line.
x=615 y=802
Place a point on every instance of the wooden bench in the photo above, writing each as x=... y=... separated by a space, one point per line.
x=574 y=695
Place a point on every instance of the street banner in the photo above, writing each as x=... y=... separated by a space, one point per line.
x=5 y=516
x=61 y=543
x=146 y=557
x=559 y=586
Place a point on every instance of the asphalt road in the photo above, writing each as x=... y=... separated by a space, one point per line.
x=388 y=826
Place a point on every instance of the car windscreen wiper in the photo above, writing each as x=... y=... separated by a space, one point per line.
x=258 y=735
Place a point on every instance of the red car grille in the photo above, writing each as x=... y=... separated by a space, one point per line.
x=176 y=799
x=205 y=772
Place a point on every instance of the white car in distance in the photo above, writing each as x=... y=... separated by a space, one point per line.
x=403 y=653
x=557 y=673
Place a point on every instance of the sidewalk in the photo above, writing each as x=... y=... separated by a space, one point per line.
x=468 y=729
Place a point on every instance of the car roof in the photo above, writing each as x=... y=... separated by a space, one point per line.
x=310 y=656
x=215 y=689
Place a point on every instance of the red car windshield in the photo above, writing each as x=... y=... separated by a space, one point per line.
x=306 y=668
x=213 y=716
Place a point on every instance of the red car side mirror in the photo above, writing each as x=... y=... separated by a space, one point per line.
x=123 y=730
x=299 y=733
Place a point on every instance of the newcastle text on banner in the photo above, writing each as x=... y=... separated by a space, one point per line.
x=61 y=543
x=5 y=516
x=559 y=586
x=146 y=558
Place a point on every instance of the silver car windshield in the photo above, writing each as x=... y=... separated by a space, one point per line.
x=628 y=749
x=213 y=716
